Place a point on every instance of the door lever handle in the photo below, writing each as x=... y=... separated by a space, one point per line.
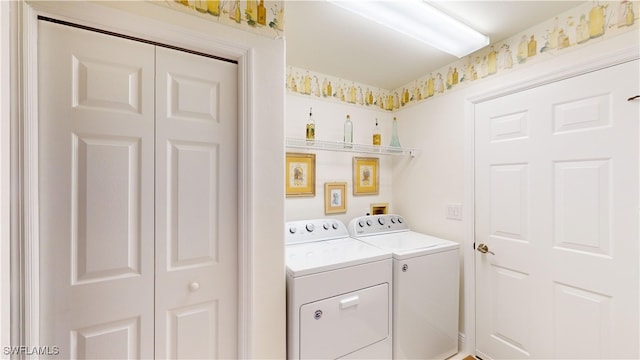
x=484 y=249
x=633 y=98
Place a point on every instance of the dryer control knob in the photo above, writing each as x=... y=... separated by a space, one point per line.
x=310 y=227
x=381 y=221
x=393 y=220
x=292 y=230
x=361 y=223
x=335 y=226
x=326 y=226
x=400 y=220
x=369 y=222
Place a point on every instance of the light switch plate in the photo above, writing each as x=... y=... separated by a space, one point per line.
x=454 y=211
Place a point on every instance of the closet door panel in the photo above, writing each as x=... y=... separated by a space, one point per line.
x=196 y=206
x=96 y=179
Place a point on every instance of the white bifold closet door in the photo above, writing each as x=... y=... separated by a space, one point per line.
x=138 y=198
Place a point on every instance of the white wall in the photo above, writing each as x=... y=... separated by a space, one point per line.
x=337 y=166
x=266 y=128
x=423 y=187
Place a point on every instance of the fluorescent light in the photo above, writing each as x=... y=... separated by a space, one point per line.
x=417 y=19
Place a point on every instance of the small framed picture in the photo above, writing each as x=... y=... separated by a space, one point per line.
x=335 y=197
x=365 y=176
x=300 y=174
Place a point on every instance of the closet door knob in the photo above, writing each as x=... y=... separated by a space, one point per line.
x=194 y=286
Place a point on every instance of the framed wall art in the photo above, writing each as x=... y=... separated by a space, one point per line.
x=365 y=176
x=300 y=174
x=335 y=197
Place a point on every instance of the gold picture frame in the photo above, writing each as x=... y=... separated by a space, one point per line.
x=335 y=197
x=300 y=174
x=365 y=176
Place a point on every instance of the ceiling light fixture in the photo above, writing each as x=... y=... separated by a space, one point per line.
x=423 y=22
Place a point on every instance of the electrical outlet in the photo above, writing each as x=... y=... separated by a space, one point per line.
x=454 y=211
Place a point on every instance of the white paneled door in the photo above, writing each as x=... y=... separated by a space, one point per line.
x=138 y=206
x=557 y=216
x=196 y=207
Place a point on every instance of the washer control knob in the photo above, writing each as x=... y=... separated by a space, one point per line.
x=369 y=222
x=400 y=221
x=326 y=226
x=335 y=226
x=292 y=230
x=381 y=221
x=361 y=223
x=310 y=227
x=393 y=220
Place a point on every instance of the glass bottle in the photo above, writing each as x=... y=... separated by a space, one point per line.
x=262 y=13
x=629 y=19
x=596 y=21
x=348 y=132
x=311 y=128
x=376 y=134
x=213 y=7
x=201 y=6
x=395 y=142
x=251 y=11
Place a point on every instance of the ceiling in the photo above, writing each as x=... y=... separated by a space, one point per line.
x=324 y=38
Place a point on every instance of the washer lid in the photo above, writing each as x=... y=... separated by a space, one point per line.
x=311 y=258
x=409 y=244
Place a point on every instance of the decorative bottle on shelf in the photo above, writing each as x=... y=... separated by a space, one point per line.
x=311 y=128
x=395 y=142
x=376 y=134
x=348 y=133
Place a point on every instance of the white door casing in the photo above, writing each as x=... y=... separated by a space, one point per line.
x=97 y=161
x=6 y=68
x=556 y=201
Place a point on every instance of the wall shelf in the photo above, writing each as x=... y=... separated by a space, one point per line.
x=355 y=148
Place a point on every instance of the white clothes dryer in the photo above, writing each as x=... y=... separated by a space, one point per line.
x=425 y=286
x=339 y=294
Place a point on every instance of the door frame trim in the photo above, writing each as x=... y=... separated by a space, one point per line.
x=575 y=63
x=5 y=172
x=25 y=281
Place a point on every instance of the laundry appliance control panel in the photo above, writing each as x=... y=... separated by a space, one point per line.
x=376 y=224
x=305 y=231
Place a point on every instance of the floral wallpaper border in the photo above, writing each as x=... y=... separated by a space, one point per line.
x=264 y=17
x=577 y=27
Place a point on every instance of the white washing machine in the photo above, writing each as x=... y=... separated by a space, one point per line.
x=425 y=286
x=339 y=294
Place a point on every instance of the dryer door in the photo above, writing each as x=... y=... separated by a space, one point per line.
x=334 y=327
